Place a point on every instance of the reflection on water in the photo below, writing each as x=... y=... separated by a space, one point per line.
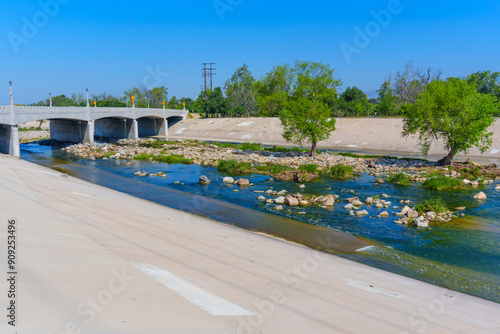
x=462 y=255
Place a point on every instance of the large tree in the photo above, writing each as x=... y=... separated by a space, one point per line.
x=240 y=90
x=306 y=114
x=354 y=102
x=486 y=82
x=454 y=111
x=274 y=89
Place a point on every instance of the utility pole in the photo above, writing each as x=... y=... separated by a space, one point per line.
x=208 y=71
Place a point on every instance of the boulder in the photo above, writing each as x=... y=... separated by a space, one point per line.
x=303 y=203
x=405 y=210
x=385 y=196
x=261 y=198
x=466 y=181
x=380 y=181
x=379 y=205
x=328 y=200
x=280 y=200
x=349 y=206
x=352 y=199
x=480 y=195
x=412 y=213
x=281 y=193
x=279 y=208
x=369 y=200
x=270 y=201
x=361 y=213
x=357 y=203
x=302 y=186
x=289 y=200
x=204 y=180
x=243 y=182
x=497 y=188
x=228 y=179
x=384 y=214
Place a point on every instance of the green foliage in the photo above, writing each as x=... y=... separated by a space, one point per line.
x=340 y=171
x=454 y=111
x=241 y=92
x=353 y=102
x=436 y=205
x=400 y=178
x=234 y=167
x=273 y=90
x=486 y=82
x=441 y=183
x=213 y=104
x=310 y=168
x=306 y=115
x=170 y=159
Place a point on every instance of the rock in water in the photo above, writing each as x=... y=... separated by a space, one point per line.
x=412 y=213
x=380 y=181
x=204 y=180
x=480 y=195
x=243 y=182
x=289 y=200
x=362 y=213
x=328 y=200
x=262 y=198
x=384 y=214
x=280 y=200
x=228 y=179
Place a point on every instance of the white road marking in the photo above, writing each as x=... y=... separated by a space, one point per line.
x=72 y=235
x=370 y=288
x=494 y=151
x=245 y=124
x=246 y=137
x=81 y=194
x=214 y=305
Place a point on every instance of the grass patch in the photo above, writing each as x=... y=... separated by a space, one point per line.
x=285 y=149
x=340 y=171
x=437 y=205
x=157 y=143
x=30 y=129
x=441 y=183
x=243 y=147
x=234 y=167
x=400 y=178
x=310 y=168
x=169 y=159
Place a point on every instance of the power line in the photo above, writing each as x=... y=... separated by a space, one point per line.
x=153 y=42
x=159 y=32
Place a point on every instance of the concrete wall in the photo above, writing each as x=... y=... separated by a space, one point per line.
x=351 y=134
x=111 y=127
x=9 y=140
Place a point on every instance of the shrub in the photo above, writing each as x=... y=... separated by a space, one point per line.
x=441 y=183
x=400 y=178
x=251 y=146
x=170 y=159
x=234 y=167
x=340 y=171
x=436 y=205
x=310 y=168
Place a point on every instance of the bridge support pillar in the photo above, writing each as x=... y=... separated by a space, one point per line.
x=163 y=128
x=9 y=140
x=88 y=132
x=132 y=129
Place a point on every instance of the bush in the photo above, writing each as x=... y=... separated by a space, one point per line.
x=441 y=183
x=340 y=171
x=234 y=167
x=400 y=178
x=251 y=146
x=169 y=159
x=436 y=205
x=310 y=168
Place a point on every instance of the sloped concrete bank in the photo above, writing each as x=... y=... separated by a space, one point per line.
x=351 y=134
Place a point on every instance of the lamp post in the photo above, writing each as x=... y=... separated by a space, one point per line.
x=50 y=99
x=88 y=105
x=133 y=99
x=163 y=104
x=148 y=101
x=95 y=104
x=10 y=92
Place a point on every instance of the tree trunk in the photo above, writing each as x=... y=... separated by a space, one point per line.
x=313 y=149
x=447 y=160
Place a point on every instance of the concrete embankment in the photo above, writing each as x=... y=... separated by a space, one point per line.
x=351 y=134
x=93 y=260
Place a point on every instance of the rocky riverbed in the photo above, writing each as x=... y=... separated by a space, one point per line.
x=27 y=136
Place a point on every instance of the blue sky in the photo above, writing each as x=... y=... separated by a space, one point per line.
x=112 y=45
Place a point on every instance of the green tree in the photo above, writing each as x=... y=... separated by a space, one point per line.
x=156 y=96
x=486 y=82
x=215 y=103
x=274 y=89
x=454 y=111
x=241 y=91
x=62 y=101
x=354 y=102
x=306 y=115
x=387 y=101
x=174 y=103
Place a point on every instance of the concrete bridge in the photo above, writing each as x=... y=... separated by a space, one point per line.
x=81 y=124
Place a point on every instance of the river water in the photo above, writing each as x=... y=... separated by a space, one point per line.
x=462 y=255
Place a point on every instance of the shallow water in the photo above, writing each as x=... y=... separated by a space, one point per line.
x=462 y=255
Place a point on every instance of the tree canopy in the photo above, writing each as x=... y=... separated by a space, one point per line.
x=240 y=91
x=454 y=111
x=305 y=112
